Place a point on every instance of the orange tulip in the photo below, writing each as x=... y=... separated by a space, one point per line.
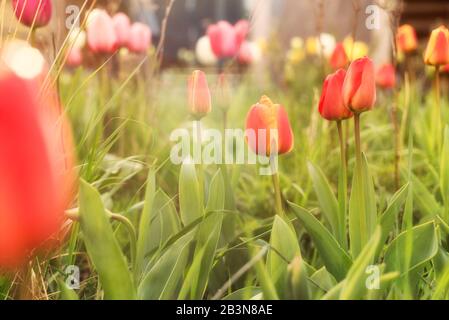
x=199 y=95
x=271 y=127
x=359 y=88
x=331 y=106
x=386 y=76
x=37 y=159
x=339 y=58
x=437 y=52
x=406 y=39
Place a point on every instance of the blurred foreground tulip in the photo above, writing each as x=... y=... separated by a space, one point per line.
x=204 y=53
x=241 y=32
x=386 y=76
x=139 y=38
x=199 y=98
x=339 y=59
x=101 y=36
x=33 y=13
x=122 y=27
x=331 y=106
x=359 y=88
x=437 y=52
x=406 y=39
x=249 y=53
x=271 y=128
x=37 y=159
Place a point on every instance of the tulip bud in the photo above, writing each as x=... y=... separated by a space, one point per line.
x=199 y=95
x=101 y=37
x=223 y=39
x=437 y=52
x=122 y=27
x=339 y=59
x=139 y=38
x=36 y=163
x=33 y=13
x=406 y=39
x=331 y=105
x=359 y=88
x=386 y=76
x=271 y=128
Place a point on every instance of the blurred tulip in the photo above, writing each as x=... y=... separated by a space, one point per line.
x=355 y=49
x=77 y=38
x=406 y=39
x=204 y=53
x=122 y=27
x=324 y=44
x=359 y=88
x=386 y=76
x=437 y=52
x=339 y=59
x=101 y=37
x=199 y=97
x=262 y=119
x=74 y=58
x=331 y=106
x=37 y=159
x=139 y=38
x=241 y=31
x=445 y=69
x=249 y=53
x=33 y=13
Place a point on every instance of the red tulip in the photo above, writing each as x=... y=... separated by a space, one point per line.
x=437 y=52
x=101 y=37
x=386 y=76
x=359 y=88
x=339 y=59
x=331 y=105
x=406 y=39
x=74 y=58
x=139 y=38
x=33 y=13
x=36 y=164
x=271 y=128
x=122 y=27
x=199 y=97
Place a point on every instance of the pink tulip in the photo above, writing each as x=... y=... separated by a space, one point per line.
x=74 y=58
x=140 y=38
x=241 y=31
x=122 y=26
x=225 y=39
x=245 y=54
x=33 y=13
x=101 y=37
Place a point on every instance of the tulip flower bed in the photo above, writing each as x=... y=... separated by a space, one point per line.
x=330 y=184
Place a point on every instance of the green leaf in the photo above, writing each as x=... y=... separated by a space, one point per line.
x=102 y=246
x=424 y=246
x=323 y=280
x=189 y=194
x=283 y=248
x=388 y=218
x=298 y=282
x=246 y=293
x=425 y=200
x=444 y=171
x=66 y=292
x=328 y=203
x=362 y=208
x=335 y=258
x=144 y=224
x=355 y=283
x=162 y=280
x=207 y=240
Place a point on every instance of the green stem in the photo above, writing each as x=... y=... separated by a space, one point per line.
x=438 y=106
x=358 y=149
x=278 y=196
x=343 y=182
x=131 y=231
x=200 y=162
x=397 y=142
